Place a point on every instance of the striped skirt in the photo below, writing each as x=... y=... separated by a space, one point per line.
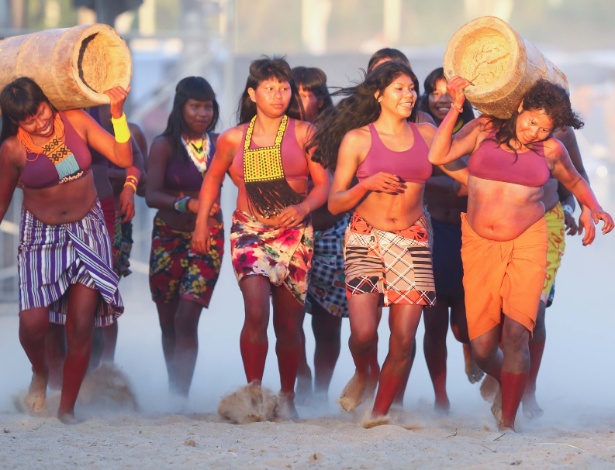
x=52 y=257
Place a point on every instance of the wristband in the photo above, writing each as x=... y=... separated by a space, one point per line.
x=120 y=129
x=132 y=179
x=131 y=185
x=567 y=208
x=459 y=109
x=181 y=204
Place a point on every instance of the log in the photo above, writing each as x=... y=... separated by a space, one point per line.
x=74 y=66
x=501 y=65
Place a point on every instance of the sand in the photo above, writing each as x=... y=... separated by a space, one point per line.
x=575 y=390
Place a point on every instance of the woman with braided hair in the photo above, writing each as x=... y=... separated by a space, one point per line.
x=271 y=234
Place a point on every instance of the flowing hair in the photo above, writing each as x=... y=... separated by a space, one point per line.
x=195 y=88
x=358 y=108
x=265 y=69
x=314 y=80
x=545 y=95
x=19 y=100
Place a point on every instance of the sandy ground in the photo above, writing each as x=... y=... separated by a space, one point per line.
x=575 y=390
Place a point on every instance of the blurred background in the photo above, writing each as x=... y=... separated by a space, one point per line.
x=171 y=39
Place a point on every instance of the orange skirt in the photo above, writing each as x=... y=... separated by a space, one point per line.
x=503 y=277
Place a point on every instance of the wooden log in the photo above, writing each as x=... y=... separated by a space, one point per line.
x=74 y=66
x=501 y=65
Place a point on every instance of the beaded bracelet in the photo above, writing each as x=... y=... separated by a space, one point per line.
x=459 y=109
x=181 y=204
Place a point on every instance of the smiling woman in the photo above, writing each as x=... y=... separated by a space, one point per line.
x=367 y=136
x=65 y=268
x=504 y=258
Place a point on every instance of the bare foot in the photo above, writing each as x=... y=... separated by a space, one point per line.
x=37 y=393
x=489 y=388
x=287 y=408
x=372 y=421
x=496 y=408
x=443 y=405
x=531 y=409
x=473 y=372
x=67 y=417
x=352 y=395
x=303 y=391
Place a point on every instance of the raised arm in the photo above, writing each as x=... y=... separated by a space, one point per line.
x=444 y=149
x=118 y=149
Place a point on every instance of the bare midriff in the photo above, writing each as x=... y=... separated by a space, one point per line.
x=299 y=186
x=502 y=211
x=63 y=203
x=392 y=212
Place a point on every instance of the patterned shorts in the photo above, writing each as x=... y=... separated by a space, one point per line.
x=327 y=286
x=396 y=264
x=177 y=271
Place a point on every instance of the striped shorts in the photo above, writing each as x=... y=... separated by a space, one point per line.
x=52 y=257
x=396 y=264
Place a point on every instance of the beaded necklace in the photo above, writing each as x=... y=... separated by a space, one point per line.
x=55 y=150
x=266 y=186
x=198 y=151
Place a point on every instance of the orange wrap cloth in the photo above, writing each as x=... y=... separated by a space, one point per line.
x=503 y=277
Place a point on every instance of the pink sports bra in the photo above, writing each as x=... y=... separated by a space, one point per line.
x=410 y=165
x=40 y=172
x=491 y=162
x=294 y=162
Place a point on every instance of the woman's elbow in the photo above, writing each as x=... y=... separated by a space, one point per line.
x=334 y=206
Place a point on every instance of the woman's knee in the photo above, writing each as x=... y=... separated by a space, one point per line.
x=514 y=335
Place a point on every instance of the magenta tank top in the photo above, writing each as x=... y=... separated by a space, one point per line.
x=491 y=162
x=183 y=175
x=411 y=165
x=294 y=162
x=40 y=172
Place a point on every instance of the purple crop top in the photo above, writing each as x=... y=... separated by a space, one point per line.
x=183 y=175
x=491 y=162
x=294 y=162
x=410 y=165
x=40 y=172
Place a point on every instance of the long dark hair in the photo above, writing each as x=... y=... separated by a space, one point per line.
x=357 y=109
x=551 y=97
x=195 y=88
x=315 y=80
x=19 y=100
x=265 y=69
x=387 y=53
x=429 y=86
x=395 y=55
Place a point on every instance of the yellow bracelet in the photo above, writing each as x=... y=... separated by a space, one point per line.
x=132 y=179
x=128 y=183
x=120 y=129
